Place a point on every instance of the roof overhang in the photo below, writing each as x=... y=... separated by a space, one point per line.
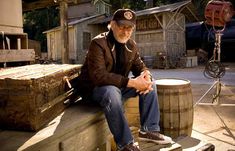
x=163 y=8
x=78 y=21
x=185 y=7
x=29 y=5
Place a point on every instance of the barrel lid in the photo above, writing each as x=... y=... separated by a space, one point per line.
x=171 y=81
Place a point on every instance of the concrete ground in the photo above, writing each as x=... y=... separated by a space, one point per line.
x=212 y=123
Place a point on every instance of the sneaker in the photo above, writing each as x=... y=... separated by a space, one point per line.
x=131 y=147
x=155 y=137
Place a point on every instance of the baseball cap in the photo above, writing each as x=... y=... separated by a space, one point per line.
x=125 y=17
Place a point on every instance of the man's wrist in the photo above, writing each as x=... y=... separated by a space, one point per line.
x=131 y=83
x=150 y=76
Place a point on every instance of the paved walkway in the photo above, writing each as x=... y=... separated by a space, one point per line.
x=195 y=74
x=212 y=124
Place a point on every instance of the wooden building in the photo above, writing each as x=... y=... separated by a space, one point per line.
x=80 y=34
x=88 y=8
x=81 y=30
x=160 y=34
x=13 y=41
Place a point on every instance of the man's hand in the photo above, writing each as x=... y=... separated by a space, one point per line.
x=145 y=91
x=147 y=75
x=142 y=83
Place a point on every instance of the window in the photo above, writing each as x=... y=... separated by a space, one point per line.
x=86 y=40
x=97 y=8
x=107 y=9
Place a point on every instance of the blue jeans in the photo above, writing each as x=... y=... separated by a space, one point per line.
x=111 y=100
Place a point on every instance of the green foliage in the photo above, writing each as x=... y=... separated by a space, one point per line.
x=132 y=4
x=165 y=2
x=38 y=21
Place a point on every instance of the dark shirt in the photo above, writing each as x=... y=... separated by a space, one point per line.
x=120 y=58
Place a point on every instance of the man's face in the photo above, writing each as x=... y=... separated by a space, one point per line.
x=122 y=33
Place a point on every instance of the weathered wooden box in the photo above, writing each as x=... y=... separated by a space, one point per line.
x=31 y=96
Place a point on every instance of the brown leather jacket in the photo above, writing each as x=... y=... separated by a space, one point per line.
x=99 y=64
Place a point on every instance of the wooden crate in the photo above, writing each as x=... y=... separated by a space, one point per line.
x=31 y=96
x=191 y=61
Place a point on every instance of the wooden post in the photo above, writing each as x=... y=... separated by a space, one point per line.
x=64 y=31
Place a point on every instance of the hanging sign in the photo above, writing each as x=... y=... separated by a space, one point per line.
x=148 y=23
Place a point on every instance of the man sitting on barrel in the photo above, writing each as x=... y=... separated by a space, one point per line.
x=104 y=79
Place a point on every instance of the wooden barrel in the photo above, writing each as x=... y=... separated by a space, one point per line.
x=176 y=106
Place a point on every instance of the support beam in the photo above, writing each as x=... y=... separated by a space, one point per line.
x=64 y=31
x=29 y=5
x=15 y=55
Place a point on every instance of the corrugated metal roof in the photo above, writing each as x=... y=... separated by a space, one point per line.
x=154 y=10
x=100 y=21
x=70 y=24
x=84 y=19
x=163 y=8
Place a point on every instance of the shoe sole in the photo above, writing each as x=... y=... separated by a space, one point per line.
x=155 y=141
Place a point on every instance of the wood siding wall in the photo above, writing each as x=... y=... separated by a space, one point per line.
x=54 y=47
x=11 y=16
x=165 y=37
x=76 y=51
x=168 y=36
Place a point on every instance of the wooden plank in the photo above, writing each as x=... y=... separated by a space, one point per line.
x=17 y=55
x=58 y=69
x=28 y=6
x=72 y=125
x=41 y=71
x=143 y=145
x=154 y=147
x=36 y=71
x=189 y=143
x=39 y=4
x=80 y=127
x=55 y=101
x=8 y=72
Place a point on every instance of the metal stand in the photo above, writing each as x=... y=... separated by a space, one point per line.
x=217 y=74
x=217 y=83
